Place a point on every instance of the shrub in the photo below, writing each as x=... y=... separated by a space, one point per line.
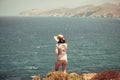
x=107 y=75
x=62 y=76
x=74 y=76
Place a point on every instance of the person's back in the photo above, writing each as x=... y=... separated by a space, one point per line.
x=62 y=49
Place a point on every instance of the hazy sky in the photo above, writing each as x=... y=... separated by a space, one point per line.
x=13 y=7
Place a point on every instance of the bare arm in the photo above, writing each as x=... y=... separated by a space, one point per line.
x=56 y=50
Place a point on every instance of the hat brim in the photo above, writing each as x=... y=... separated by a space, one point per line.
x=56 y=39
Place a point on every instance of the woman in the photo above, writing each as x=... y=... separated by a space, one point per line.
x=61 y=49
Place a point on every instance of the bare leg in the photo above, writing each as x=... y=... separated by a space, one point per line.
x=64 y=67
x=57 y=65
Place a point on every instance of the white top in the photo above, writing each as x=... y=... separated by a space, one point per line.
x=61 y=49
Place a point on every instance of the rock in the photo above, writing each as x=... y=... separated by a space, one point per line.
x=36 y=78
x=73 y=74
x=88 y=76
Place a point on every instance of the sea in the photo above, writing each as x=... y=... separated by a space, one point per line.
x=27 y=45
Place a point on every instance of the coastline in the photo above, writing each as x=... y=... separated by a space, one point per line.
x=106 y=75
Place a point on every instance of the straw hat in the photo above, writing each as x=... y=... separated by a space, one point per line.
x=58 y=37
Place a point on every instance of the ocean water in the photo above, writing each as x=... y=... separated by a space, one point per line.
x=27 y=46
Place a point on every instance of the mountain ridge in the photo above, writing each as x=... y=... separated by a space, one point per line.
x=103 y=10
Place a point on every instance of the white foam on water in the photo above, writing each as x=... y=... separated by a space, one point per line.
x=32 y=67
x=38 y=46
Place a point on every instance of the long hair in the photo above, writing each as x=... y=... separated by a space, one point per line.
x=61 y=41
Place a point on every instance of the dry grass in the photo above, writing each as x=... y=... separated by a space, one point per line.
x=62 y=76
x=107 y=75
x=88 y=76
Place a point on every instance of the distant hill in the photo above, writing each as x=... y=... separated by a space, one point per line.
x=104 y=10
